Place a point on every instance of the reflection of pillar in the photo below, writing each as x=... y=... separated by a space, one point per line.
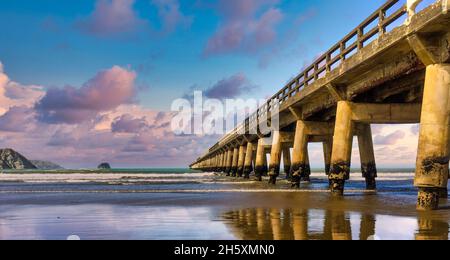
x=367 y=228
x=261 y=165
x=275 y=220
x=340 y=227
x=327 y=226
x=260 y=220
x=241 y=160
x=432 y=230
x=275 y=158
x=342 y=148
x=287 y=162
x=235 y=162
x=299 y=154
x=248 y=167
x=300 y=224
x=368 y=165
x=433 y=154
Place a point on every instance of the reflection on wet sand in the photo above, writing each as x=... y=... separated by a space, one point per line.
x=430 y=229
x=295 y=224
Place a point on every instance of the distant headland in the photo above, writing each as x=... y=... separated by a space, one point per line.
x=13 y=160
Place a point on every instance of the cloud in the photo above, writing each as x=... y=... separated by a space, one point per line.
x=128 y=124
x=111 y=17
x=106 y=91
x=15 y=94
x=231 y=87
x=247 y=26
x=170 y=15
x=17 y=119
x=390 y=139
x=415 y=129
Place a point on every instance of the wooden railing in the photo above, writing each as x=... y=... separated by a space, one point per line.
x=372 y=28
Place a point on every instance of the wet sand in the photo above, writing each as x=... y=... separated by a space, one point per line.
x=212 y=207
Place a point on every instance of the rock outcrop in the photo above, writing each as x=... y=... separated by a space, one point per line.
x=104 y=166
x=10 y=159
x=45 y=165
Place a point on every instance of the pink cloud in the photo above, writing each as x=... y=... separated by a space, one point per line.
x=15 y=94
x=111 y=17
x=17 y=119
x=170 y=15
x=243 y=29
x=107 y=90
x=128 y=124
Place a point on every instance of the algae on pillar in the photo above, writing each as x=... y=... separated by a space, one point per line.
x=299 y=155
x=241 y=161
x=275 y=158
x=433 y=154
x=248 y=166
x=342 y=148
x=261 y=160
x=368 y=165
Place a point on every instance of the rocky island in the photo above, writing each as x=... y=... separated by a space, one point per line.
x=104 y=166
x=10 y=159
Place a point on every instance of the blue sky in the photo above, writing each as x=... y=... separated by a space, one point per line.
x=57 y=56
x=42 y=45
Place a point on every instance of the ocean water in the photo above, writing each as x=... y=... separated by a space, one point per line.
x=186 y=205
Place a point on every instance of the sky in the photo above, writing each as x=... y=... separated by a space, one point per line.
x=87 y=81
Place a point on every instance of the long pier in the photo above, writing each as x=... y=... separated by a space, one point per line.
x=394 y=68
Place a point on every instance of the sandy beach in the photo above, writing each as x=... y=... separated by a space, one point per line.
x=207 y=206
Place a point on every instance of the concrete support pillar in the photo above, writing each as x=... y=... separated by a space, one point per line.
x=229 y=162
x=433 y=154
x=327 y=149
x=234 y=165
x=275 y=158
x=342 y=148
x=241 y=160
x=261 y=160
x=287 y=162
x=221 y=162
x=214 y=163
x=300 y=164
x=368 y=165
x=248 y=166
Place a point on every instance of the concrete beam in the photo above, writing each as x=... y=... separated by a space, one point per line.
x=422 y=50
x=386 y=113
x=335 y=92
